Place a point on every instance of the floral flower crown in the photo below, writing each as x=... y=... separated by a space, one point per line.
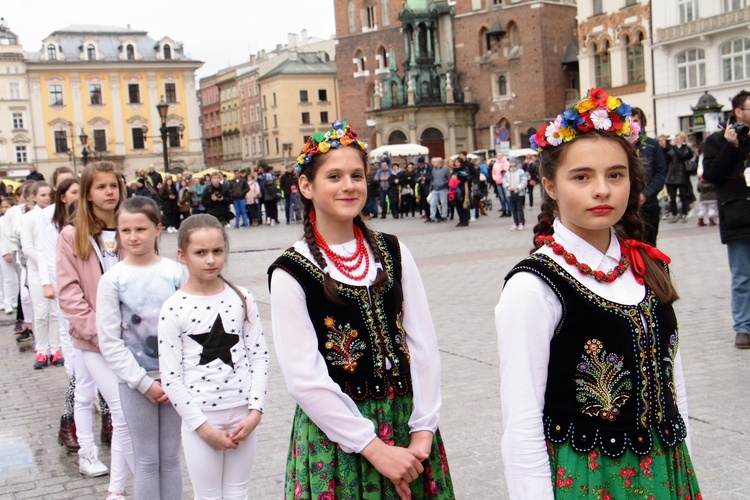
x=342 y=134
x=598 y=111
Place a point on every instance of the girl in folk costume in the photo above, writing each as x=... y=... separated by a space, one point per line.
x=355 y=342
x=592 y=387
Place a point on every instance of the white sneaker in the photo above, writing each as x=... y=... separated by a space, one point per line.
x=115 y=496
x=520 y=227
x=9 y=310
x=473 y=219
x=513 y=227
x=89 y=464
x=229 y=224
x=273 y=222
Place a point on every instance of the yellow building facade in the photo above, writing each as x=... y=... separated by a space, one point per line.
x=298 y=97
x=104 y=83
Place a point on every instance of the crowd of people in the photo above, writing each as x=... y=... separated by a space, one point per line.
x=179 y=357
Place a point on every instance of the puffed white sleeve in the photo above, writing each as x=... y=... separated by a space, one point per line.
x=305 y=371
x=681 y=394
x=525 y=320
x=423 y=348
x=27 y=235
x=257 y=354
x=171 y=370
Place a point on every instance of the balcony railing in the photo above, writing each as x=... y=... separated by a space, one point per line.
x=698 y=27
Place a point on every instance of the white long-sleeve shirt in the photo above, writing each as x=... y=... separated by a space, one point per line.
x=525 y=318
x=305 y=370
x=210 y=356
x=30 y=245
x=41 y=236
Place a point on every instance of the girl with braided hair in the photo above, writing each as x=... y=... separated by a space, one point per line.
x=355 y=342
x=592 y=387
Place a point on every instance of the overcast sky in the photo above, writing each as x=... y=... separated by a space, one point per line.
x=218 y=32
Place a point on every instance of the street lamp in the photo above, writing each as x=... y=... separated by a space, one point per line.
x=84 y=150
x=163 y=109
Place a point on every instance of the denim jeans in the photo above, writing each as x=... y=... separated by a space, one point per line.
x=440 y=197
x=504 y=201
x=739 y=265
x=240 y=211
x=516 y=208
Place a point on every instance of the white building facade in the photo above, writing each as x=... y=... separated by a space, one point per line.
x=699 y=46
x=16 y=141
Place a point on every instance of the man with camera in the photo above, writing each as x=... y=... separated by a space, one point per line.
x=726 y=163
x=217 y=198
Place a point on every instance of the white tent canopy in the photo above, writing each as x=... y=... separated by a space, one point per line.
x=521 y=152
x=399 y=150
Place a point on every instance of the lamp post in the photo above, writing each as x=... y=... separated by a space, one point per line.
x=84 y=149
x=163 y=109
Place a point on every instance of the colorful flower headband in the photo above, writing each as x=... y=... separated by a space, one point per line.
x=342 y=134
x=596 y=112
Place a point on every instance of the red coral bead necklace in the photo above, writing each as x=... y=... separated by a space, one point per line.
x=600 y=276
x=346 y=264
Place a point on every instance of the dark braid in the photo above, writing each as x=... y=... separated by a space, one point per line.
x=545 y=218
x=381 y=278
x=329 y=285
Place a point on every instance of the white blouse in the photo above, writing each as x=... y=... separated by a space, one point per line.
x=305 y=370
x=525 y=320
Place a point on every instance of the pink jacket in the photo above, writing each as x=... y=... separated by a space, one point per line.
x=77 y=283
x=499 y=168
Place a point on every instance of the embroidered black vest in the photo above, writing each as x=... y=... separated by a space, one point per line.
x=610 y=380
x=356 y=336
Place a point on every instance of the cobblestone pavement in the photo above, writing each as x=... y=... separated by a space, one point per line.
x=463 y=271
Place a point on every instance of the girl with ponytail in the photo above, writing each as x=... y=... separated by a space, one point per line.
x=356 y=343
x=591 y=376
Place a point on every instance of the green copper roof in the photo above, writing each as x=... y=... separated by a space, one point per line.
x=418 y=5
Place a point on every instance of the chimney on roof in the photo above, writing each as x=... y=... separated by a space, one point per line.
x=292 y=41
x=304 y=37
x=278 y=48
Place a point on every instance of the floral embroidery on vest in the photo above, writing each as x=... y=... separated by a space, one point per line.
x=669 y=360
x=401 y=336
x=603 y=385
x=345 y=348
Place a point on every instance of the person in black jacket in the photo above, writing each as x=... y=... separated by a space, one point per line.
x=655 y=168
x=394 y=189
x=168 y=194
x=217 y=198
x=677 y=177
x=239 y=188
x=725 y=164
x=287 y=180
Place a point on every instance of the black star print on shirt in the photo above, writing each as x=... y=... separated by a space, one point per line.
x=216 y=343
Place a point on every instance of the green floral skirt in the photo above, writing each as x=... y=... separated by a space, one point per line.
x=665 y=473
x=317 y=468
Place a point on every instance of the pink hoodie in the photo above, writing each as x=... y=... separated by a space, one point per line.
x=499 y=168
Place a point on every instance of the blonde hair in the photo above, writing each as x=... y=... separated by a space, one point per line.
x=86 y=222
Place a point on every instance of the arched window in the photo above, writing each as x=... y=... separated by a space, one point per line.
x=52 y=52
x=351 y=12
x=635 y=58
x=382 y=57
x=369 y=19
x=432 y=134
x=502 y=85
x=513 y=34
x=359 y=60
x=167 y=52
x=602 y=67
x=735 y=60
x=484 y=43
x=691 y=68
x=130 y=52
x=397 y=137
x=91 y=52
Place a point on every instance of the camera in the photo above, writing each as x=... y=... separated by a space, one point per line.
x=742 y=130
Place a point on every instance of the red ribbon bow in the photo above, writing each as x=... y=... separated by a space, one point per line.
x=636 y=260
